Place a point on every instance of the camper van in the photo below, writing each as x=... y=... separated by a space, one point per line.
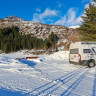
x=83 y=53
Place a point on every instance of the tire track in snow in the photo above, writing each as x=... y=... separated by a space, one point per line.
x=64 y=83
x=51 y=84
x=74 y=84
x=94 y=86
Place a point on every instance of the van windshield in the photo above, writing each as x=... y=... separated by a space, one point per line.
x=94 y=49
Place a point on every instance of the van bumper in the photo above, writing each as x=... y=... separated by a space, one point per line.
x=83 y=62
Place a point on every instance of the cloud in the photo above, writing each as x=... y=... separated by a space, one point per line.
x=69 y=19
x=38 y=10
x=61 y=21
x=47 y=13
x=35 y=17
x=59 y=4
x=86 y=0
x=78 y=21
x=71 y=14
x=86 y=6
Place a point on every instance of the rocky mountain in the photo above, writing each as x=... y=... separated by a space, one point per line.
x=13 y=18
x=65 y=34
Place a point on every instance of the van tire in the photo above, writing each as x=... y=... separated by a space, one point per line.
x=91 y=63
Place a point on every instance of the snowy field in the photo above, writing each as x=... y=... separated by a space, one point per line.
x=49 y=75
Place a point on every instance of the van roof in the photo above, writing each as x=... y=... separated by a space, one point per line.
x=86 y=42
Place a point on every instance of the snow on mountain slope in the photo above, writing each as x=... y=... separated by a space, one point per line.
x=13 y=18
x=41 y=30
x=74 y=27
x=49 y=75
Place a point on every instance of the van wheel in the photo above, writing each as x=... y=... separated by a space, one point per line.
x=91 y=64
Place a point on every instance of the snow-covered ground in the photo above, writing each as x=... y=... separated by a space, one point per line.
x=49 y=75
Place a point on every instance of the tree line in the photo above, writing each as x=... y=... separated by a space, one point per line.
x=11 y=40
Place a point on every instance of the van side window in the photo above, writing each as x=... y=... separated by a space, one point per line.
x=74 y=51
x=86 y=51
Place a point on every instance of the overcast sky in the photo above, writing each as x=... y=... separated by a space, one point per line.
x=58 y=12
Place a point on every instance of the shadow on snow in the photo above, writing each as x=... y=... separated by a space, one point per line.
x=74 y=84
x=62 y=79
x=6 y=92
x=29 y=63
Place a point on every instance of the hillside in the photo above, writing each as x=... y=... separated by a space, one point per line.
x=40 y=30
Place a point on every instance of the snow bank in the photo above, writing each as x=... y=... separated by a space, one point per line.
x=59 y=55
x=19 y=54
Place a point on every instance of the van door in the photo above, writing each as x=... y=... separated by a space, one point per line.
x=86 y=54
x=74 y=57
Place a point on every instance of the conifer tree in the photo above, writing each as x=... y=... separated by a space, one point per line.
x=11 y=40
x=52 y=39
x=88 y=26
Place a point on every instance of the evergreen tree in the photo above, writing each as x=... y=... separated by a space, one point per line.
x=88 y=26
x=52 y=39
x=11 y=40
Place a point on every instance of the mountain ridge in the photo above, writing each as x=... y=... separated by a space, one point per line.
x=13 y=18
x=41 y=30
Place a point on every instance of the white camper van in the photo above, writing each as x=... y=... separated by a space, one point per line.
x=83 y=53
